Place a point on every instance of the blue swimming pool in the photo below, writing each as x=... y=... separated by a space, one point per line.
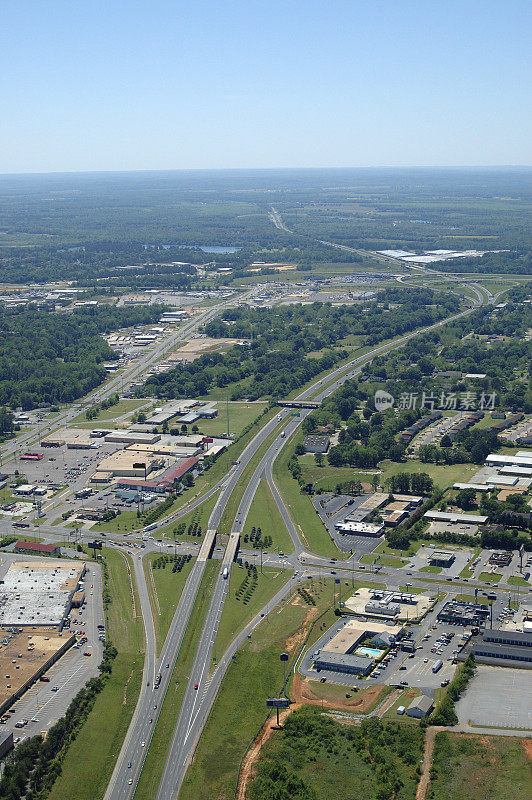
x=369 y=651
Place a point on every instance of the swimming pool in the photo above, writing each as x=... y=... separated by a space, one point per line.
x=369 y=651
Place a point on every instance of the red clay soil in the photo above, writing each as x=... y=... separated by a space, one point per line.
x=247 y=772
x=301 y=692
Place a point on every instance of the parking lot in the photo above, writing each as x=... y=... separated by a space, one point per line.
x=335 y=510
x=497 y=696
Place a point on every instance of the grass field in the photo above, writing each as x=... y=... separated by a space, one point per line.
x=468 y=767
x=240 y=415
x=168 y=588
x=90 y=759
x=264 y=514
x=308 y=524
x=235 y=614
x=443 y=475
x=124 y=406
x=383 y=561
x=160 y=743
x=228 y=517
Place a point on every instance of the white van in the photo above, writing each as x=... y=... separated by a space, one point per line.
x=401 y=710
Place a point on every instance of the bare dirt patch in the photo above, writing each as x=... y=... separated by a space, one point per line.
x=297 y=639
x=247 y=771
x=360 y=703
x=527 y=744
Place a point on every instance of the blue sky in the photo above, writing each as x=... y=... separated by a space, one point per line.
x=120 y=85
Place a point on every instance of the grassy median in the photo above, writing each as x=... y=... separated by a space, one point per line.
x=160 y=743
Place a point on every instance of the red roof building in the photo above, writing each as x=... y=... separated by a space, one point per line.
x=37 y=547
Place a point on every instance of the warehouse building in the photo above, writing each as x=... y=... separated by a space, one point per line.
x=360 y=528
x=504 y=648
x=39 y=592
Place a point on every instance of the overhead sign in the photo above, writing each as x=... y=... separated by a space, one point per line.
x=95 y=545
x=278 y=702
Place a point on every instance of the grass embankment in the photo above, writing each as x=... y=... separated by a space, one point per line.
x=165 y=597
x=199 y=515
x=124 y=406
x=236 y=614
x=466 y=767
x=160 y=743
x=255 y=674
x=312 y=531
x=327 y=478
x=90 y=759
x=264 y=514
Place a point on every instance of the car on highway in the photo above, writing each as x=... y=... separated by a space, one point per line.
x=143 y=744
x=55 y=688
x=196 y=686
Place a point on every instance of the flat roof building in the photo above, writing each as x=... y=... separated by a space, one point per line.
x=447 y=516
x=351 y=664
x=316 y=444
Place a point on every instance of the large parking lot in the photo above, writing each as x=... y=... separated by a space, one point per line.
x=498 y=696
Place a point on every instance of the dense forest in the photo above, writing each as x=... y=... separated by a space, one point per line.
x=48 y=358
x=274 y=357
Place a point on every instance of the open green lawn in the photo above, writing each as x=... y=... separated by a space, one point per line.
x=327 y=478
x=468 y=767
x=240 y=415
x=236 y=614
x=265 y=515
x=124 y=406
x=491 y=577
x=442 y=475
x=165 y=597
x=311 y=530
x=157 y=753
x=90 y=759
x=239 y=709
x=431 y=568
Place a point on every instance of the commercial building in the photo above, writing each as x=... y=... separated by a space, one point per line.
x=420 y=707
x=132 y=437
x=38 y=548
x=350 y=663
x=165 y=482
x=360 y=528
x=441 y=558
x=460 y=613
x=447 y=516
x=24 y=490
x=39 y=592
x=316 y=444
